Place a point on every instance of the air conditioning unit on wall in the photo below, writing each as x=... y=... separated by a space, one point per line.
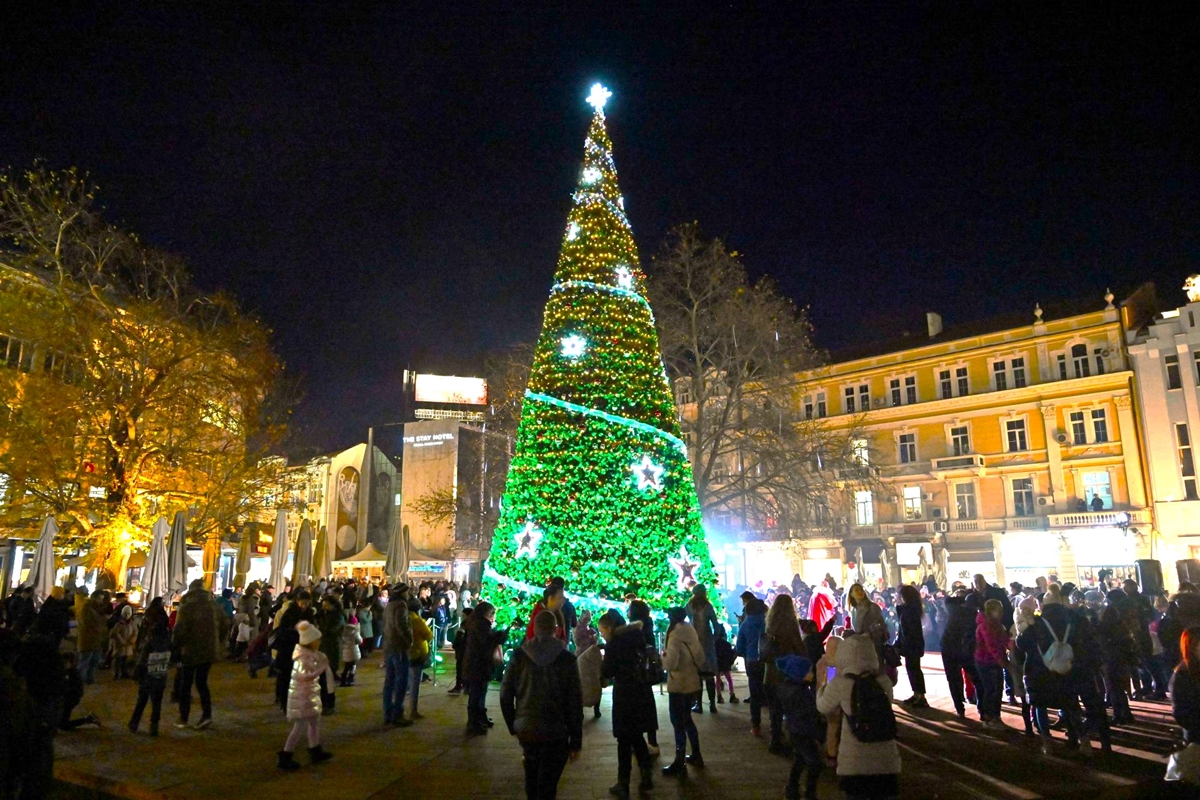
x=1062 y=438
x=927 y=497
x=937 y=513
x=1044 y=501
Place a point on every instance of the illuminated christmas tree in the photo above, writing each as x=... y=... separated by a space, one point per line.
x=600 y=489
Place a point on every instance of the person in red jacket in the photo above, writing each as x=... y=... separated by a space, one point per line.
x=991 y=656
x=552 y=601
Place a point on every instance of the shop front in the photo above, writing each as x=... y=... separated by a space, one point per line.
x=1096 y=549
x=1028 y=555
x=915 y=560
x=819 y=562
x=968 y=558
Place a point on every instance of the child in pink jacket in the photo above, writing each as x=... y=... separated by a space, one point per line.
x=991 y=659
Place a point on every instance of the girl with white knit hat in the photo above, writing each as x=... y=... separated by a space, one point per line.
x=304 y=697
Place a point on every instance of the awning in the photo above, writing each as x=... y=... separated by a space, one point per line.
x=367 y=556
x=978 y=550
x=424 y=555
x=871 y=548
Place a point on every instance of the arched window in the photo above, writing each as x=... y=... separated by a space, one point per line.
x=1079 y=360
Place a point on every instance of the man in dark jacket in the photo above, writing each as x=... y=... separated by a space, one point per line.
x=958 y=645
x=197 y=638
x=633 y=710
x=284 y=641
x=754 y=625
x=397 y=641
x=542 y=702
x=482 y=641
x=54 y=618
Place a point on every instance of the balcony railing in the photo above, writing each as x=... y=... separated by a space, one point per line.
x=1099 y=519
x=971 y=461
x=981 y=525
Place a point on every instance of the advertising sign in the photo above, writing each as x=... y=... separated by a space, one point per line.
x=451 y=389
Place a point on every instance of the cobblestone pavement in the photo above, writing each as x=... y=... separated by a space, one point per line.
x=943 y=757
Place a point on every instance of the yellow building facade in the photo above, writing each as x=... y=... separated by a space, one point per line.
x=1005 y=449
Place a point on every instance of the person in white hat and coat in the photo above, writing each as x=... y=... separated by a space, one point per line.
x=304 y=697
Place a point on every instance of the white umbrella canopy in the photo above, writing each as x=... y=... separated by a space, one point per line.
x=177 y=559
x=41 y=572
x=154 y=575
x=303 y=560
x=321 y=567
x=859 y=569
x=397 y=555
x=941 y=568
x=279 y=550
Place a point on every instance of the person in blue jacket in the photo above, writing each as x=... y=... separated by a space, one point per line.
x=752 y=627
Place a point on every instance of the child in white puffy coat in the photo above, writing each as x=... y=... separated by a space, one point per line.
x=351 y=651
x=304 y=697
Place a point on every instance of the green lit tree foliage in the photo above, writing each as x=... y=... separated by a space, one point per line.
x=600 y=489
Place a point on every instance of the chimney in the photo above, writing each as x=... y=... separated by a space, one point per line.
x=934 y=321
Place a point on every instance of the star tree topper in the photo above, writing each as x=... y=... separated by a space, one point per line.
x=598 y=97
x=648 y=474
x=685 y=569
x=527 y=540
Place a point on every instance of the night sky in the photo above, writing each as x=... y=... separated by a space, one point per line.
x=389 y=189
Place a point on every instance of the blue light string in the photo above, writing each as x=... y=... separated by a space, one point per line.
x=580 y=599
x=604 y=287
x=604 y=415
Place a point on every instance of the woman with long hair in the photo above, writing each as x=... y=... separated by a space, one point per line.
x=910 y=641
x=1185 y=685
x=782 y=638
x=682 y=661
x=704 y=620
x=866 y=618
x=639 y=611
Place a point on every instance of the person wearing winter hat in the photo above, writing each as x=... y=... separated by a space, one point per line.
x=304 y=697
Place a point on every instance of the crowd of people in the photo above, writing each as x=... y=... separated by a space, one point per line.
x=823 y=661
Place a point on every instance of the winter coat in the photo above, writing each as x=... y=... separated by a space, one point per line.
x=633 y=709
x=867 y=618
x=366 y=623
x=704 y=620
x=482 y=641
x=1182 y=613
x=154 y=656
x=1185 y=703
x=560 y=630
x=1048 y=689
x=996 y=593
x=91 y=632
x=54 y=619
x=753 y=626
x=287 y=638
x=330 y=622
x=911 y=641
x=592 y=685
x=856 y=656
x=584 y=636
x=1118 y=648
x=124 y=638
x=418 y=654
x=683 y=660
x=773 y=647
x=197 y=628
x=541 y=696
x=304 y=694
x=397 y=629
x=248 y=605
x=958 y=637
x=991 y=642
x=351 y=639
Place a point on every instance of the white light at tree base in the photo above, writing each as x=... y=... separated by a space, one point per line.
x=648 y=474
x=527 y=540
x=685 y=569
x=591 y=175
x=624 y=277
x=598 y=97
x=573 y=345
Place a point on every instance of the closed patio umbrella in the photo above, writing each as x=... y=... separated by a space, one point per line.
x=859 y=570
x=177 y=558
x=279 y=550
x=321 y=567
x=941 y=567
x=242 y=568
x=41 y=572
x=885 y=563
x=397 y=555
x=154 y=574
x=302 y=561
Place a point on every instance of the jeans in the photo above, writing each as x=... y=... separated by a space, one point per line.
x=991 y=690
x=89 y=663
x=775 y=713
x=415 y=672
x=199 y=674
x=395 y=685
x=807 y=757
x=1116 y=688
x=544 y=763
x=954 y=667
x=283 y=676
x=1157 y=667
x=626 y=747
x=680 y=707
x=477 y=704
x=754 y=674
x=916 y=678
x=152 y=691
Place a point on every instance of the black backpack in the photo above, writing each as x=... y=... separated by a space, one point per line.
x=650 y=670
x=871 y=718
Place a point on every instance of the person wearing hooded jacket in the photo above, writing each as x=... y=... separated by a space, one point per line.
x=750 y=632
x=683 y=659
x=1048 y=689
x=397 y=642
x=958 y=646
x=633 y=710
x=865 y=769
x=197 y=638
x=541 y=700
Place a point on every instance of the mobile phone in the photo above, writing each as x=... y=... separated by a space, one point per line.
x=830 y=673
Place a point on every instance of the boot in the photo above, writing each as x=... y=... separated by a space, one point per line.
x=286 y=762
x=619 y=790
x=317 y=754
x=676 y=767
x=733 y=698
x=695 y=759
x=154 y=729
x=647 y=782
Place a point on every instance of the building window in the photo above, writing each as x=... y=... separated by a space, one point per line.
x=1078 y=428
x=864 y=509
x=964 y=385
x=1099 y=426
x=999 y=376
x=1018 y=372
x=908 y=448
x=1172 y=362
x=1196 y=358
x=912 y=502
x=821 y=411
x=910 y=389
x=1187 y=465
x=1096 y=487
x=1062 y=367
x=683 y=392
x=897 y=394
x=1099 y=353
x=1079 y=361
x=864 y=397
x=849 y=399
x=1022 y=489
x=944 y=384
x=808 y=406
x=960 y=440
x=860 y=451
x=964 y=499
x=1014 y=430
x=16 y=353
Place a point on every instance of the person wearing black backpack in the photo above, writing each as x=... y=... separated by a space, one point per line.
x=868 y=760
x=797 y=696
x=633 y=710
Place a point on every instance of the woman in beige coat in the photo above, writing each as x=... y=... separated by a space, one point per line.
x=683 y=660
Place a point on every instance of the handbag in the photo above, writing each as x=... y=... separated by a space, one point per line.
x=891 y=656
x=498 y=656
x=1184 y=765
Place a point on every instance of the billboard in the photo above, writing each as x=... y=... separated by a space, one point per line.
x=450 y=389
